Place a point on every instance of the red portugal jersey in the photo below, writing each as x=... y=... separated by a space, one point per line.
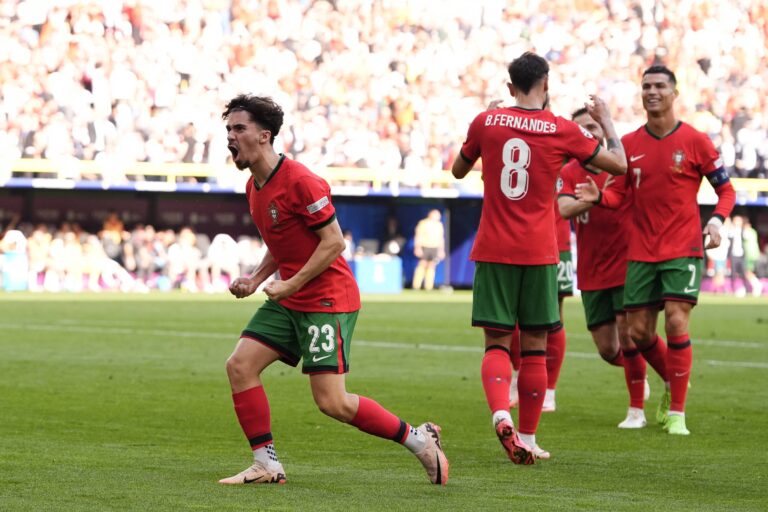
x=665 y=175
x=562 y=226
x=292 y=204
x=522 y=152
x=601 y=234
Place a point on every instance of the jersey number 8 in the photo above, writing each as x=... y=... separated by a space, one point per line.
x=514 y=175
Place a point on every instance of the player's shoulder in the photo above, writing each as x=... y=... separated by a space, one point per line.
x=634 y=135
x=686 y=130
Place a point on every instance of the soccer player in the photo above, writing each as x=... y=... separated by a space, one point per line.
x=310 y=313
x=522 y=149
x=602 y=247
x=556 y=339
x=667 y=160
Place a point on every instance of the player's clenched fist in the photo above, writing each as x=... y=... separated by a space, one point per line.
x=242 y=287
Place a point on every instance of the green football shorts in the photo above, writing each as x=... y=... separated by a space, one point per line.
x=565 y=274
x=321 y=339
x=602 y=306
x=504 y=295
x=648 y=285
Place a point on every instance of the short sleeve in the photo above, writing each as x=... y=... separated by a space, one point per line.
x=470 y=150
x=579 y=143
x=568 y=187
x=707 y=157
x=313 y=201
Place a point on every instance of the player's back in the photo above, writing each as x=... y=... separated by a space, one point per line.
x=522 y=152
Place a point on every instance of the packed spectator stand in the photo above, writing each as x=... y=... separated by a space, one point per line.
x=131 y=91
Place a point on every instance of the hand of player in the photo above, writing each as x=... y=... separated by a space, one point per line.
x=713 y=232
x=279 y=290
x=494 y=104
x=587 y=192
x=243 y=287
x=597 y=109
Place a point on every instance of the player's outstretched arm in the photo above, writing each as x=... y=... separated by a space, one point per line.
x=330 y=247
x=613 y=160
x=244 y=286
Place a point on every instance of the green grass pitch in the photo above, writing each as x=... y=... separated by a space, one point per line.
x=114 y=402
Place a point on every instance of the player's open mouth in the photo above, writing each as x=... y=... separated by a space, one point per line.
x=233 y=150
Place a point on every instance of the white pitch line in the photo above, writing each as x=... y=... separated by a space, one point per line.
x=365 y=343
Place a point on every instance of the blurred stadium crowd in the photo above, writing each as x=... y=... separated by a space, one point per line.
x=365 y=83
x=69 y=259
x=41 y=258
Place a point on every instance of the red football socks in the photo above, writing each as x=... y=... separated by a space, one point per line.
x=656 y=355
x=374 y=419
x=531 y=387
x=252 y=409
x=679 y=363
x=635 y=374
x=497 y=376
x=555 y=356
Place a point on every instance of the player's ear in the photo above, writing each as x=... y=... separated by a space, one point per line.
x=511 y=89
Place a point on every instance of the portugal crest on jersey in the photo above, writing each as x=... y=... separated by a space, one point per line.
x=678 y=157
x=273 y=213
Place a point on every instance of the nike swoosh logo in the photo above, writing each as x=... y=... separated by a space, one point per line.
x=564 y=286
x=690 y=290
x=316 y=359
x=681 y=374
x=635 y=158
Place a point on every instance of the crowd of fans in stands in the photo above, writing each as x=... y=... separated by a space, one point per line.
x=69 y=259
x=40 y=258
x=365 y=83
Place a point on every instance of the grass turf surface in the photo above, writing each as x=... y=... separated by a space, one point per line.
x=114 y=402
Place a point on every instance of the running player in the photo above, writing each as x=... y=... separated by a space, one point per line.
x=310 y=313
x=668 y=159
x=522 y=149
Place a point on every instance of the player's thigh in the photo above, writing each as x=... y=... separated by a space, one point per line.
x=565 y=274
x=681 y=279
x=496 y=294
x=538 y=308
x=599 y=307
x=325 y=340
x=273 y=327
x=642 y=288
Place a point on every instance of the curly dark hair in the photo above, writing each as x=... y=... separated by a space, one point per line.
x=261 y=109
x=526 y=71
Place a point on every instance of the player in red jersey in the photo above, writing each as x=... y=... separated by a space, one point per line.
x=310 y=313
x=522 y=149
x=556 y=338
x=667 y=159
x=601 y=240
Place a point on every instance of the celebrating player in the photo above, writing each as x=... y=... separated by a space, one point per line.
x=522 y=149
x=310 y=313
x=602 y=247
x=667 y=160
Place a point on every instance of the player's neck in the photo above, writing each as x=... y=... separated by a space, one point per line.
x=264 y=167
x=532 y=101
x=662 y=123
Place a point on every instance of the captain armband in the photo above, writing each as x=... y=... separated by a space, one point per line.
x=718 y=177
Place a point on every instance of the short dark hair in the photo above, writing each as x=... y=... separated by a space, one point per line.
x=526 y=71
x=661 y=69
x=261 y=109
x=579 y=112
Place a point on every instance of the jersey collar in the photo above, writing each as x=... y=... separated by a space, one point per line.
x=664 y=136
x=271 y=174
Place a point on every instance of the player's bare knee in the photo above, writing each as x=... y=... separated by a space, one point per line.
x=335 y=408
